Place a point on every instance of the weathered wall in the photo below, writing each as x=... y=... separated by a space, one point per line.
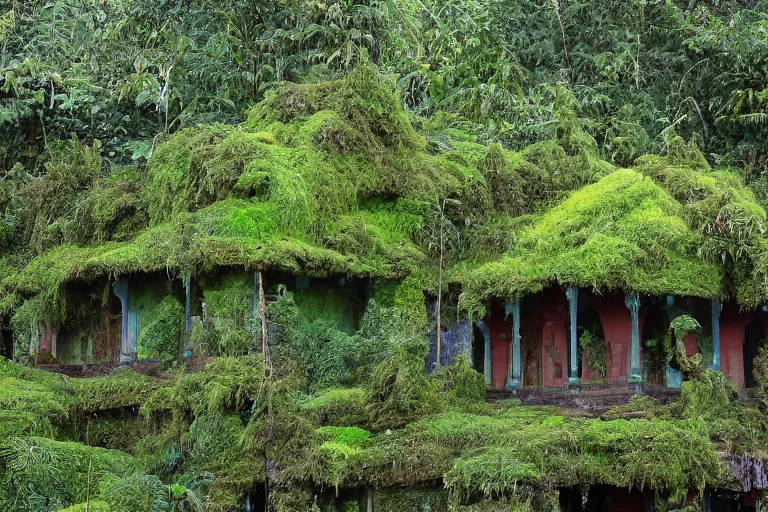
x=554 y=338
x=531 y=330
x=732 y=325
x=616 y=322
x=454 y=341
x=501 y=339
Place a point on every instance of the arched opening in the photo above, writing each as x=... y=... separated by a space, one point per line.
x=752 y=336
x=655 y=344
x=478 y=349
x=593 y=360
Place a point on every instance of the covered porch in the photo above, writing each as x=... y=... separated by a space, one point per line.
x=576 y=338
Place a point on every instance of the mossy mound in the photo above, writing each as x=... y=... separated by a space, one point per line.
x=520 y=452
x=623 y=232
x=723 y=210
x=32 y=402
x=124 y=388
x=62 y=473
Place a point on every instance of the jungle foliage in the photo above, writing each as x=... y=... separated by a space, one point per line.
x=453 y=151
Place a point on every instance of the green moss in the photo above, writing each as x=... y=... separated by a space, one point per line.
x=228 y=300
x=217 y=444
x=462 y=385
x=500 y=475
x=721 y=208
x=64 y=473
x=124 y=388
x=113 y=431
x=353 y=437
x=339 y=407
x=399 y=389
x=91 y=506
x=623 y=232
x=118 y=211
x=160 y=332
x=226 y=384
x=196 y=167
x=32 y=402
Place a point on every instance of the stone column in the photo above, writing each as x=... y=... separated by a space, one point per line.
x=121 y=291
x=716 y=309
x=515 y=364
x=487 y=351
x=632 y=301
x=573 y=349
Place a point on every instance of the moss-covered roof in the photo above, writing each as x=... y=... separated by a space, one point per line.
x=623 y=232
x=332 y=178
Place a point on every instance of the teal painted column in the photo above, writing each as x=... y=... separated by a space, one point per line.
x=573 y=349
x=716 y=309
x=487 y=350
x=632 y=301
x=127 y=339
x=515 y=364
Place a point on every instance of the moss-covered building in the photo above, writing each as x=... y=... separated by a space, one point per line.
x=296 y=275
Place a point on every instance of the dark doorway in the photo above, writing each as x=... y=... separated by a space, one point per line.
x=592 y=346
x=603 y=498
x=655 y=344
x=752 y=336
x=256 y=501
x=6 y=342
x=478 y=349
x=530 y=340
x=726 y=501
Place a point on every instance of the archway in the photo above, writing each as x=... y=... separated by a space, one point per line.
x=593 y=360
x=655 y=344
x=752 y=336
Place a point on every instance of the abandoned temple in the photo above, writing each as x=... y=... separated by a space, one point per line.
x=533 y=341
x=265 y=315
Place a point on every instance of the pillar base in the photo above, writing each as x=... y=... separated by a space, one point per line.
x=574 y=381
x=512 y=384
x=128 y=358
x=635 y=378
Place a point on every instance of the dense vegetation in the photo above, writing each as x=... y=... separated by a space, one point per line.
x=446 y=153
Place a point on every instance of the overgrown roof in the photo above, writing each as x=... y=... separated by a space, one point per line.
x=623 y=232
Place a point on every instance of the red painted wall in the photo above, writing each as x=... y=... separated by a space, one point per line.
x=530 y=339
x=617 y=327
x=616 y=321
x=554 y=344
x=501 y=340
x=732 y=326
